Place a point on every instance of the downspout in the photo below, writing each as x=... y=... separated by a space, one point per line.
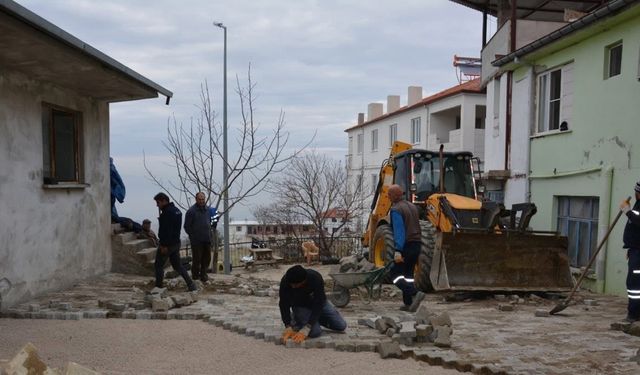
x=603 y=225
x=512 y=47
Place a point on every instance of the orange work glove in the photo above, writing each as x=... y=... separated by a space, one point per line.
x=287 y=334
x=397 y=257
x=301 y=335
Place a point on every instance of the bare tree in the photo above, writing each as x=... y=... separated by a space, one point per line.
x=196 y=152
x=312 y=186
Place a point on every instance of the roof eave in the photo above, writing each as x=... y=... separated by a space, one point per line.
x=46 y=27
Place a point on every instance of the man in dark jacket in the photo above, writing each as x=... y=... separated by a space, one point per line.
x=169 y=237
x=302 y=292
x=405 y=222
x=631 y=239
x=197 y=224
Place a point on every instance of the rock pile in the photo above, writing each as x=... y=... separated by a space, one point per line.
x=425 y=328
x=27 y=361
x=355 y=263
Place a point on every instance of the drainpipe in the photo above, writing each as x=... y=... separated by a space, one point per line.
x=604 y=216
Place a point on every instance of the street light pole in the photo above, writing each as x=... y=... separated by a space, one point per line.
x=225 y=171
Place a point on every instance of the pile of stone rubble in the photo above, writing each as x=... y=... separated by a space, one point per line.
x=425 y=328
x=355 y=263
x=27 y=361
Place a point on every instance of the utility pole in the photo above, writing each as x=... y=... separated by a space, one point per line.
x=225 y=171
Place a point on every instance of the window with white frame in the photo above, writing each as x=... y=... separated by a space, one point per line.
x=415 y=130
x=578 y=220
x=374 y=140
x=613 y=60
x=393 y=134
x=549 y=100
x=359 y=143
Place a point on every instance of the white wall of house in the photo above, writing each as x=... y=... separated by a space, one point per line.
x=50 y=236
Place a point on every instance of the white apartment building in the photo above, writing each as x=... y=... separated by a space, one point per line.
x=454 y=117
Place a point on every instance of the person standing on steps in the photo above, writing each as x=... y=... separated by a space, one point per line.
x=170 y=220
x=405 y=223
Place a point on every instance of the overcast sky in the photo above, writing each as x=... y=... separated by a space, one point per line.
x=321 y=62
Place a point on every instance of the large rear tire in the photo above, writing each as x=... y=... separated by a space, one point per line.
x=382 y=249
x=425 y=259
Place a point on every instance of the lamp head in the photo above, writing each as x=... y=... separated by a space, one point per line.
x=218 y=24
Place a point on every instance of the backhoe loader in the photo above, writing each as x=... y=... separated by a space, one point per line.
x=467 y=244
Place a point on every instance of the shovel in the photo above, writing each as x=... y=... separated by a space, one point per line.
x=564 y=304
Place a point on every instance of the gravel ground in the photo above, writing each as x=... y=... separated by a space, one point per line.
x=117 y=346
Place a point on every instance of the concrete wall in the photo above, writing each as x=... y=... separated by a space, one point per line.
x=597 y=156
x=50 y=237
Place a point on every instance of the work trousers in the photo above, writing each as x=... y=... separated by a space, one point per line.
x=402 y=273
x=329 y=318
x=201 y=253
x=633 y=284
x=174 y=258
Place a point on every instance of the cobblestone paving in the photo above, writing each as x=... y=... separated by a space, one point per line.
x=485 y=339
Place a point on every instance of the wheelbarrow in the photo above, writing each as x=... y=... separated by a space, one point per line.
x=365 y=282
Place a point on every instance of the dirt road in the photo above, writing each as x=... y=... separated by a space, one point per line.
x=118 y=346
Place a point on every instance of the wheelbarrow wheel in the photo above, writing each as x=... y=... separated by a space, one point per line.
x=340 y=296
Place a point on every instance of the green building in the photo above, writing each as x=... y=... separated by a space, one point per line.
x=577 y=90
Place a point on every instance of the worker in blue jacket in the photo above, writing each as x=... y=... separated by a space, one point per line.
x=631 y=240
x=405 y=222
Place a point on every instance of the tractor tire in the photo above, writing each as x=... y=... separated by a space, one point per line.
x=382 y=248
x=425 y=259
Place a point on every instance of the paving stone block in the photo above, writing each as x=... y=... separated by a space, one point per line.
x=129 y=315
x=634 y=330
x=366 y=346
x=139 y=305
x=621 y=326
x=180 y=300
x=94 y=314
x=423 y=330
x=144 y=315
x=422 y=315
x=389 y=350
x=53 y=304
x=116 y=306
x=391 y=322
x=159 y=305
x=73 y=316
x=160 y=315
x=390 y=332
x=261 y=293
x=407 y=329
x=541 y=313
x=368 y=322
x=402 y=340
x=441 y=320
x=443 y=337
x=34 y=307
x=162 y=292
x=590 y=302
x=505 y=307
x=345 y=346
x=259 y=334
x=381 y=325
x=65 y=306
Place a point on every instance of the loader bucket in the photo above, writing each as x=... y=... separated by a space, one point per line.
x=511 y=261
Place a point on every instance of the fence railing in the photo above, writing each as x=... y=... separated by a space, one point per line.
x=290 y=249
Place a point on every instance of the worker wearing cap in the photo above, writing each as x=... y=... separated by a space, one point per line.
x=631 y=239
x=405 y=222
x=302 y=293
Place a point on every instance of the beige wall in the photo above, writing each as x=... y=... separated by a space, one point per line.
x=49 y=237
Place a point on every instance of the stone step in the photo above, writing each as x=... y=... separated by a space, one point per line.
x=147 y=254
x=123 y=238
x=132 y=247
